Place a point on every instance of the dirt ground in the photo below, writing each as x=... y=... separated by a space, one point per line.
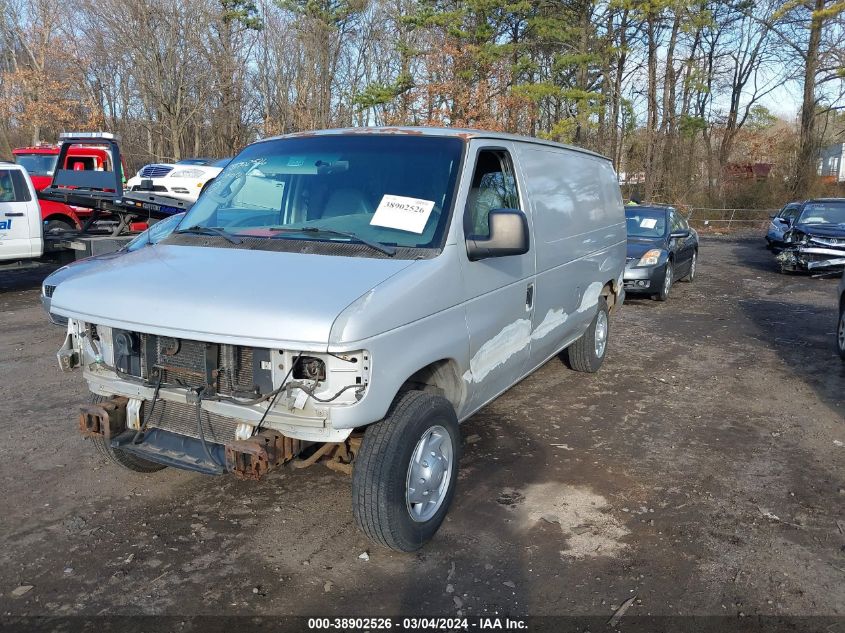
x=701 y=471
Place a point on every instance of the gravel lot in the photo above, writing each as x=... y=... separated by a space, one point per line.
x=702 y=470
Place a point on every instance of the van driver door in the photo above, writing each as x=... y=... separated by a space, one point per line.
x=499 y=290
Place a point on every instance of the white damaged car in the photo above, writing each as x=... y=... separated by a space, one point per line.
x=184 y=180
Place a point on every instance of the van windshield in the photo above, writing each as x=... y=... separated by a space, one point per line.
x=390 y=189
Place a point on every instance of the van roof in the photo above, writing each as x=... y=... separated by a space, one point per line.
x=463 y=133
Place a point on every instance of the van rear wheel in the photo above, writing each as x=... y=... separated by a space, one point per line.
x=588 y=352
x=405 y=472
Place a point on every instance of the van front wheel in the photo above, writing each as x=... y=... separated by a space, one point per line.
x=119 y=457
x=405 y=473
x=588 y=352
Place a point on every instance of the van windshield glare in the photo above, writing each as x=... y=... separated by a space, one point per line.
x=389 y=189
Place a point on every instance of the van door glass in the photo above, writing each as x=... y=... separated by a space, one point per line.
x=493 y=187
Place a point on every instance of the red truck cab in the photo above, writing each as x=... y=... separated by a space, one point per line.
x=40 y=162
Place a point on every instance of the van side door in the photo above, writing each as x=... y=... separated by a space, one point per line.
x=499 y=291
x=20 y=217
x=577 y=238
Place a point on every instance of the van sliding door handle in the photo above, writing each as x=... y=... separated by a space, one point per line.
x=529 y=297
x=14 y=215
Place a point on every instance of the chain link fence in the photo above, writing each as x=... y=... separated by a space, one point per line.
x=728 y=220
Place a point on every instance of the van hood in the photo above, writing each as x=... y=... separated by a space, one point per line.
x=256 y=298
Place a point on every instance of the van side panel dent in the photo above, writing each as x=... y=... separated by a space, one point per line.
x=513 y=338
x=554 y=319
x=591 y=296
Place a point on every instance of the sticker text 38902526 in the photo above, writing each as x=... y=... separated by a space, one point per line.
x=402 y=213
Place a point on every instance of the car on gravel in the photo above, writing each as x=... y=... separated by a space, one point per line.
x=151 y=236
x=780 y=224
x=349 y=297
x=662 y=248
x=816 y=241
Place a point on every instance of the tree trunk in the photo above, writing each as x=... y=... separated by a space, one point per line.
x=651 y=123
x=807 y=145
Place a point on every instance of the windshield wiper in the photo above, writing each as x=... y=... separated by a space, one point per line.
x=210 y=230
x=384 y=248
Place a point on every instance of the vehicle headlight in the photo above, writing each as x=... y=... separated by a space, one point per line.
x=650 y=258
x=187 y=173
x=795 y=237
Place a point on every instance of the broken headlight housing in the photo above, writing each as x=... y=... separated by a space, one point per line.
x=795 y=237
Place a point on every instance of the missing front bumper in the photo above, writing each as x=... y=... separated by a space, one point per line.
x=247 y=459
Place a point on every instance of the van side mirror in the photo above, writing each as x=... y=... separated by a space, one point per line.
x=508 y=236
x=679 y=234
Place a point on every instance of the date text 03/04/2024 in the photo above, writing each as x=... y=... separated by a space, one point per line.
x=418 y=623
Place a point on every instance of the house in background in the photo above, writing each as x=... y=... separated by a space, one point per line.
x=830 y=164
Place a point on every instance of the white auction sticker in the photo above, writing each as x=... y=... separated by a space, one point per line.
x=648 y=223
x=405 y=214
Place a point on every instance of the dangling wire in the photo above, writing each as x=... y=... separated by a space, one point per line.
x=276 y=395
x=139 y=435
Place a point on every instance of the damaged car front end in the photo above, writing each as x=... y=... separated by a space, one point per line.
x=816 y=244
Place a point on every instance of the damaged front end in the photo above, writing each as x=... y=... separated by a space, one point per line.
x=805 y=252
x=209 y=407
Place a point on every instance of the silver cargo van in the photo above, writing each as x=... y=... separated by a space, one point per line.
x=350 y=296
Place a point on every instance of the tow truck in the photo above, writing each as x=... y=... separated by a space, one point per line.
x=112 y=216
x=40 y=162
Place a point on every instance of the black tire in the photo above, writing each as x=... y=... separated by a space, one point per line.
x=58 y=226
x=665 y=287
x=122 y=458
x=581 y=355
x=693 y=268
x=840 y=331
x=382 y=469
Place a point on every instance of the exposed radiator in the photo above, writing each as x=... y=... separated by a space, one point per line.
x=184 y=363
x=182 y=419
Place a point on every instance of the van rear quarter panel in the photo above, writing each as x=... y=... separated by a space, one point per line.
x=579 y=235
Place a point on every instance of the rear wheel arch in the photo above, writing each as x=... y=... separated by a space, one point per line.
x=611 y=292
